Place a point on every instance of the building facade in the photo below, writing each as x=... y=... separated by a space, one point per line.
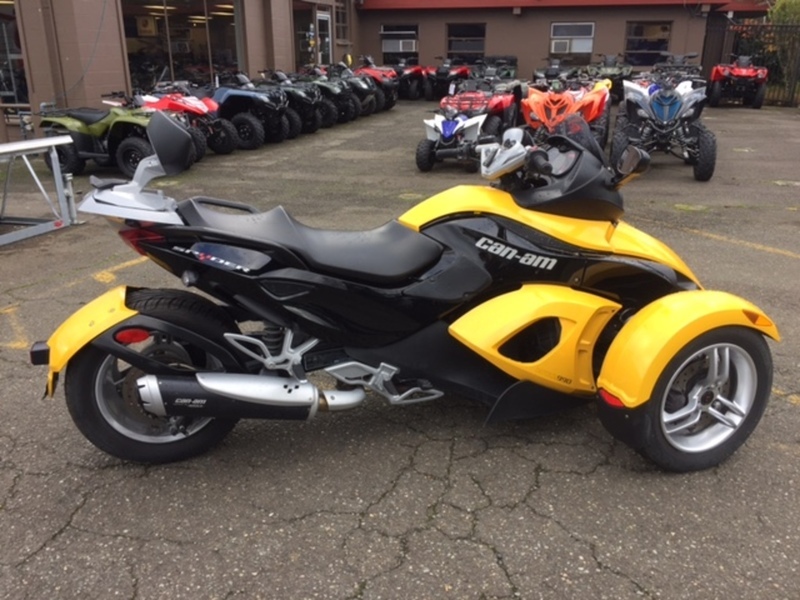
x=71 y=52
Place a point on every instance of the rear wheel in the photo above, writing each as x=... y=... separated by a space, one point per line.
x=130 y=153
x=330 y=114
x=279 y=131
x=708 y=400
x=427 y=89
x=314 y=122
x=102 y=394
x=68 y=159
x=758 y=99
x=355 y=102
x=413 y=91
x=380 y=100
x=426 y=155
x=249 y=131
x=223 y=138
x=295 y=123
x=706 y=153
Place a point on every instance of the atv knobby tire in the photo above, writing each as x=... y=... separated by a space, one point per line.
x=249 y=131
x=715 y=94
x=69 y=161
x=295 y=124
x=130 y=153
x=200 y=143
x=223 y=138
x=758 y=99
x=706 y=153
x=426 y=155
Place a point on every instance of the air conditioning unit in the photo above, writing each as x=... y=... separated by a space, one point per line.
x=559 y=46
x=399 y=45
x=408 y=45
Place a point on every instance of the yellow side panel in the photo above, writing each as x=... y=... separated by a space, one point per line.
x=567 y=367
x=652 y=338
x=601 y=236
x=84 y=325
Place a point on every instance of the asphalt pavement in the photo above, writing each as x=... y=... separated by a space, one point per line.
x=416 y=502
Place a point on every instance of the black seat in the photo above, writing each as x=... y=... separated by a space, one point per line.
x=389 y=254
x=88 y=115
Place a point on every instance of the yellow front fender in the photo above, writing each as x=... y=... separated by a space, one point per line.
x=83 y=326
x=652 y=337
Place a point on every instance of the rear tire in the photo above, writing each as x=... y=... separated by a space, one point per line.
x=130 y=153
x=492 y=125
x=249 y=131
x=413 y=93
x=330 y=114
x=618 y=144
x=314 y=122
x=279 y=131
x=426 y=155
x=101 y=391
x=295 y=124
x=380 y=100
x=68 y=159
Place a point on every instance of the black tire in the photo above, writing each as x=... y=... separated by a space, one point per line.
x=492 y=125
x=391 y=100
x=669 y=439
x=618 y=144
x=295 y=124
x=426 y=155
x=279 y=131
x=427 y=89
x=761 y=93
x=600 y=127
x=223 y=138
x=347 y=108
x=368 y=106
x=200 y=143
x=330 y=114
x=314 y=122
x=130 y=153
x=358 y=108
x=715 y=94
x=68 y=159
x=471 y=166
x=413 y=91
x=249 y=131
x=706 y=153
x=380 y=100
x=101 y=391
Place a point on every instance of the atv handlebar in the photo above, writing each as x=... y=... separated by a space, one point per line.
x=537 y=162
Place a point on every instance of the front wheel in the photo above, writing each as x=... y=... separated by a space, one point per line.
x=102 y=394
x=199 y=141
x=706 y=159
x=223 y=138
x=68 y=159
x=758 y=99
x=426 y=155
x=708 y=400
x=715 y=94
x=249 y=131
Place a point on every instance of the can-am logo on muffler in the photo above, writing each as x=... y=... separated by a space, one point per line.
x=529 y=259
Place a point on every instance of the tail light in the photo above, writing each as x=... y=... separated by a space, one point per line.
x=134 y=237
x=610 y=399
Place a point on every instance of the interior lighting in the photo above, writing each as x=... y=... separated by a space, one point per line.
x=221 y=14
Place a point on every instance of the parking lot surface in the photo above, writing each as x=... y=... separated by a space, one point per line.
x=417 y=502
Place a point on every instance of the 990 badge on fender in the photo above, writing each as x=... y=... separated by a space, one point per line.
x=528 y=259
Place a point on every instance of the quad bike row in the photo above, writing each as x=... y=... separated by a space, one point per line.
x=237 y=114
x=480 y=110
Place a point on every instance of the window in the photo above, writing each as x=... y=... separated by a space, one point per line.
x=342 y=20
x=399 y=42
x=572 y=39
x=466 y=41
x=645 y=41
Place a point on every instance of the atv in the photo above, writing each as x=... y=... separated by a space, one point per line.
x=412 y=79
x=386 y=82
x=305 y=112
x=441 y=81
x=611 y=66
x=738 y=80
x=108 y=136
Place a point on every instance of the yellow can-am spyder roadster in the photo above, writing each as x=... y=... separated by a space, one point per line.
x=529 y=296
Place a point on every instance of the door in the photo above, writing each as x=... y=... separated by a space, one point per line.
x=325 y=48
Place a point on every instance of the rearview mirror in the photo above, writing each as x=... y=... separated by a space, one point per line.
x=633 y=161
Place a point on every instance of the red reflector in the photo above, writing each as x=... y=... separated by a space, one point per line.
x=610 y=399
x=134 y=238
x=131 y=336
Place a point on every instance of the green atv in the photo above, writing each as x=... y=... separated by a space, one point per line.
x=117 y=135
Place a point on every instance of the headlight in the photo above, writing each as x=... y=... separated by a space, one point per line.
x=640 y=112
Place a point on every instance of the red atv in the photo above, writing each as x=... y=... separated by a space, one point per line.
x=386 y=82
x=499 y=102
x=740 y=79
x=440 y=81
x=412 y=79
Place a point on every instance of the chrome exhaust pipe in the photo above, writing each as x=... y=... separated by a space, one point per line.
x=239 y=396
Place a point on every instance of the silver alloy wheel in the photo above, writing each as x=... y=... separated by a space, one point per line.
x=117 y=397
x=708 y=398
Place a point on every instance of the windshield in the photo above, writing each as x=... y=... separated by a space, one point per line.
x=577 y=129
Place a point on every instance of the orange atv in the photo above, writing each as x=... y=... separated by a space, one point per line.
x=544 y=110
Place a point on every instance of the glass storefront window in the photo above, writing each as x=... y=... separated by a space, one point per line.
x=169 y=40
x=13 y=85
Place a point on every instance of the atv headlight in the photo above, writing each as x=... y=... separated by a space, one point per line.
x=640 y=112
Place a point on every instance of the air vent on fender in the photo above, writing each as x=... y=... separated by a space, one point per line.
x=533 y=342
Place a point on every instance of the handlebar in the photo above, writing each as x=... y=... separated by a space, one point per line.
x=538 y=163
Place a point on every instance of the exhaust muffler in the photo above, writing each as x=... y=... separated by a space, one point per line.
x=239 y=396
